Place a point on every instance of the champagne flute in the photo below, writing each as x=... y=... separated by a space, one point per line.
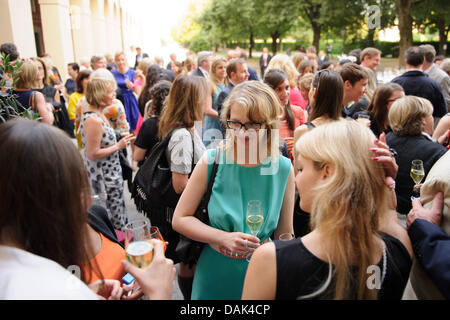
x=417 y=174
x=254 y=218
x=156 y=234
x=364 y=119
x=138 y=247
x=286 y=237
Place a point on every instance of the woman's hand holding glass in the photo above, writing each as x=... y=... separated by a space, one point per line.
x=239 y=242
x=156 y=280
x=126 y=140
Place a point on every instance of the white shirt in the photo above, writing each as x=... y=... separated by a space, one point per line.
x=25 y=276
x=205 y=73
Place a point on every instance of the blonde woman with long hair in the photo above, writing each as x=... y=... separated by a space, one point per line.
x=218 y=80
x=356 y=249
x=245 y=173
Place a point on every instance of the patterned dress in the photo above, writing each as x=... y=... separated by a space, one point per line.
x=115 y=114
x=105 y=175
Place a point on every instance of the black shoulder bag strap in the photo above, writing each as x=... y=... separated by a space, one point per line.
x=207 y=196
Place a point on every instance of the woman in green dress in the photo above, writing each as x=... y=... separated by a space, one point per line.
x=250 y=168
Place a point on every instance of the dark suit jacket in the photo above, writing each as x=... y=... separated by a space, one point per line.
x=223 y=95
x=410 y=148
x=144 y=55
x=198 y=72
x=253 y=74
x=261 y=67
x=431 y=247
x=417 y=83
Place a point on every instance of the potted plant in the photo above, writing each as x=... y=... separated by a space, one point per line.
x=9 y=106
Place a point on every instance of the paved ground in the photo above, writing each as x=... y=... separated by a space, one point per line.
x=133 y=213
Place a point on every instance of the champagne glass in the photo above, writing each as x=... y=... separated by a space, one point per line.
x=254 y=219
x=138 y=247
x=156 y=234
x=417 y=174
x=364 y=119
x=286 y=237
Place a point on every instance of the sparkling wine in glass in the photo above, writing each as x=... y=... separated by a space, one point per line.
x=254 y=218
x=138 y=245
x=417 y=174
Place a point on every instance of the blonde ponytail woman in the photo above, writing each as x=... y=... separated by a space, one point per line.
x=345 y=191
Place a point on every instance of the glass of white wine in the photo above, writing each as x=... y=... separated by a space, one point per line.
x=417 y=174
x=286 y=237
x=138 y=245
x=254 y=219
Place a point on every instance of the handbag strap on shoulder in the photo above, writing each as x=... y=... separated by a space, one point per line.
x=213 y=174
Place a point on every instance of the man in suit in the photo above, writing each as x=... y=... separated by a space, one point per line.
x=173 y=58
x=264 y=61
x=240 y=54
x=416 y=83
x=429 y=230
x=204 y=64
x=237 y=72
x=434 y=72
x=139 y=57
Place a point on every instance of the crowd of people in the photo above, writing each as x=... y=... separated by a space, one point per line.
x=323 y=147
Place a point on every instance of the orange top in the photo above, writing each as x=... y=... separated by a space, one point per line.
x=109 y=260
x=285 y=132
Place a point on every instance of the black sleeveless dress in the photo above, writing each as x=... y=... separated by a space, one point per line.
x=300 y=273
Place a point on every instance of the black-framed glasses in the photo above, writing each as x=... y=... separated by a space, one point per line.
x=236 y=125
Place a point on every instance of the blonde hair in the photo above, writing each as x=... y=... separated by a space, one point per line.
x=297 y=59
x=212 y=75
x=305 y=82
x=27 y=76
x=348 y=204
x=283 y=62
x=371 y=84
x=45 y=67
x=144 y=64
x=260 y=104
x=184 y=104
x=189 y=64
x=118 y=54
x=406 y=115
x=98 y=84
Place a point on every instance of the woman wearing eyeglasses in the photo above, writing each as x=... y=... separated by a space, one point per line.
x=250 y=168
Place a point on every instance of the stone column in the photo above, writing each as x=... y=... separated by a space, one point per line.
x=16 y=25
x=57 y=32
x=81 y=29
x=98 y=28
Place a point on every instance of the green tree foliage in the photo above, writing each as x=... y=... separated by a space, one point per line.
x=435 y=15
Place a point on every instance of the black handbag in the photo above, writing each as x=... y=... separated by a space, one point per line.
x=188 y=250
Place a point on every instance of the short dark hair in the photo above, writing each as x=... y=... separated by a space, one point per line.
x=429 y=52
x=75 y=66
x=11 y=50
x=414 y=56
x=353 y=73
x=232 y=66
x=81 y=76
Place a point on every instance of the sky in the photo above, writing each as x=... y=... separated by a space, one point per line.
x=158 y=18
